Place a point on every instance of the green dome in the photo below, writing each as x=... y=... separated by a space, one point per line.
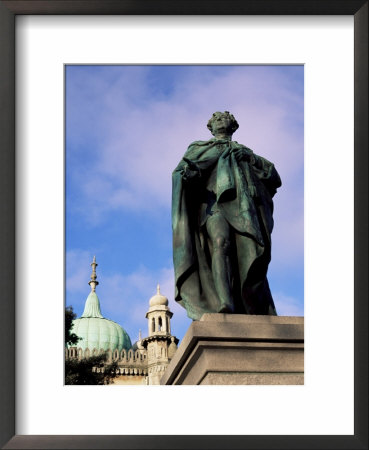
x=96 y=331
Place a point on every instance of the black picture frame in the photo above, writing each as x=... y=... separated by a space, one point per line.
x=8 y=12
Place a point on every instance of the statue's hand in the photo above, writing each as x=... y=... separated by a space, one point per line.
x=243 y=154
x=190 y=170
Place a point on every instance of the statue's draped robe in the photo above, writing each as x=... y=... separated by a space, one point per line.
x=243 y=195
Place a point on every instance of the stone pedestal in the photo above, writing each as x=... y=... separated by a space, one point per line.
x=233 y=349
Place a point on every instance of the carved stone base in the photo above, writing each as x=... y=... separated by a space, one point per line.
x=240 y=349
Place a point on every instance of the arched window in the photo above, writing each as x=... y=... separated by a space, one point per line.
x=153 y=325
x=160 y=324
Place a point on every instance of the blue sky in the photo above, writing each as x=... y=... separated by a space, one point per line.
x=127 y=128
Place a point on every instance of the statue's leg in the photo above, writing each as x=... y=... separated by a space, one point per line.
x=219 y=233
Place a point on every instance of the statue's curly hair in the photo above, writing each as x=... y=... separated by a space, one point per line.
x=234 y=124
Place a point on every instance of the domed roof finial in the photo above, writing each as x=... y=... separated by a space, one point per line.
x=93 y=282
x=158 y=298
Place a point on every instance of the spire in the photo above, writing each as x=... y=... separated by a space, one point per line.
x=158 y=289
x=93 y=283
x=139 y=335
x=92 y=305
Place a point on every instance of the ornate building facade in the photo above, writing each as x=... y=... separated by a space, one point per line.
x=146 y=360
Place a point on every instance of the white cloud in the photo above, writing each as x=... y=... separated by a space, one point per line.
x=287 y=305
x=78 y=270
x=142 y=142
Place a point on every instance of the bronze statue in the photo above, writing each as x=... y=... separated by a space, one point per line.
x=222 y=219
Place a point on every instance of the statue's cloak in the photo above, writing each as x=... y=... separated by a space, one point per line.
x=244 y=192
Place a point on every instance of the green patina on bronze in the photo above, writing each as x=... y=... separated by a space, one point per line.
x=222 y=219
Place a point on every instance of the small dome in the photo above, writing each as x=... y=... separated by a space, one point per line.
x=158 y=299
x=137 y=346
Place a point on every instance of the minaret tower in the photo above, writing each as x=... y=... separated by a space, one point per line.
x=159 y=343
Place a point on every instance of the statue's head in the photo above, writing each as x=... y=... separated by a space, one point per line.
x=222 y=123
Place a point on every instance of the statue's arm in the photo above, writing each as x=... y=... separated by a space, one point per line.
x=191 y=167
x=267 y=173
x=243 y=153
x=262 y=168
x=187 y=170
